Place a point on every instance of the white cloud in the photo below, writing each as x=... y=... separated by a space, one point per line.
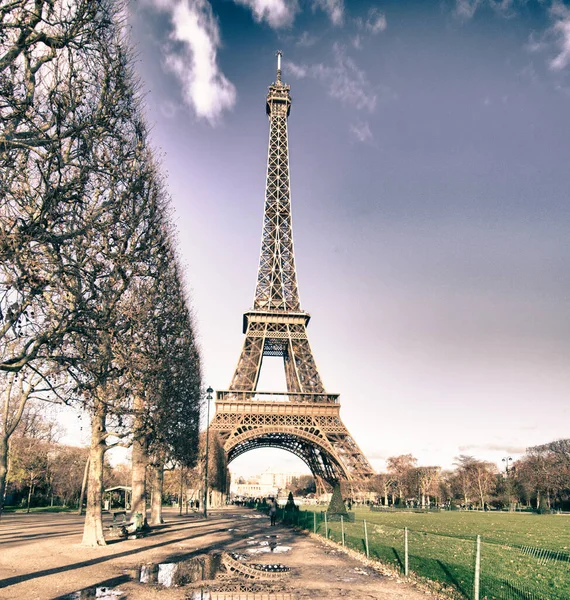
x=465 y=9
x=192 y=57
x=506 y=447
x=343 y=79
x=503 y=6
x=535 y=43
x=169 y=109
x=306 y=40
x=361 y=131
x=298 y=71
x=333 y=8
x=561 y=30
x=376 y=21
x=277 y=13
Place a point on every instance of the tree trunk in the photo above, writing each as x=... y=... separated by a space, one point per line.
x=157 y=480
x=83 y=486
x=139 y=463
x=3 y=470
x=93 y=529
x=30 y=492
x=181 y=491
x=481 y=496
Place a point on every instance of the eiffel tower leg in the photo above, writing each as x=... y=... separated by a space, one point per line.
x=249 y=364
x=320 y=485
x=306 y=370
x=291 y=375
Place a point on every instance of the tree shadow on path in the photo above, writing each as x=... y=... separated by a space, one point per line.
x=101 y=559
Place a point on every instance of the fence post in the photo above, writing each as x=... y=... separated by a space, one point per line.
x=477 y=569
x=326 y=527
x=315 y=522
x=342 y=529
x=366 y=540
x=406 y=561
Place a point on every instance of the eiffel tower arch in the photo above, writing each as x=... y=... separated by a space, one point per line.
x=304 y=420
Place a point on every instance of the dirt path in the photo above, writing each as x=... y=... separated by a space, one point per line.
x=41 y=558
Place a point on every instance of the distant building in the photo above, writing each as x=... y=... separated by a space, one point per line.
x=276 y=479
x=252 y=490
x=261 y=486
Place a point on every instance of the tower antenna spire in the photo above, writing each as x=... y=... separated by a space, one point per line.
x=279 y=54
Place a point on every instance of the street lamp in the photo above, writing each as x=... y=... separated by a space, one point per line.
x=209 y=392
x=506 y=460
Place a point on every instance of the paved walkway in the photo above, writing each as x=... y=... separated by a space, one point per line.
x=41 y=558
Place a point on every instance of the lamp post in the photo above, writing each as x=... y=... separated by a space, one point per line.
x=508 y=485
x=209 y=392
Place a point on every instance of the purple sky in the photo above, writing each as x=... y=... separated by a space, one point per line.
x=430 y=162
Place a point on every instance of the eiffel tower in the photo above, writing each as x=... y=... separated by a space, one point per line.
x=304 y=420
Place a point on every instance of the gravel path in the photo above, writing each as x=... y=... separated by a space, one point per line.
x=41 y=558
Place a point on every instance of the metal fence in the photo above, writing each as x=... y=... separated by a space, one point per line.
x=476 y=569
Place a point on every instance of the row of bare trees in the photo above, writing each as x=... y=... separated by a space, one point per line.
x=93 y=310
x=541 y=478
x=45 y=473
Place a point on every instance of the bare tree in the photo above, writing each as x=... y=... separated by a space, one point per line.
x=83 y=224
x=399 y=468
x=29 y=465
x=544 y=471
x=52 y=106
x=427 y=479
x=66 y=465
x=166 y=378
x=477 y=479
x=382 y=483
x=16 y=390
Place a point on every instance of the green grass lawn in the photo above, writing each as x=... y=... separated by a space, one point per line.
x=40 y=509
x=524 y=529
x=523 y=556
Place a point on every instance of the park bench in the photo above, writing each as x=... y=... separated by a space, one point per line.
x=122 y=529
x=119 y=514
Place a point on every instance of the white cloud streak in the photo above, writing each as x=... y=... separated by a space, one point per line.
x=298 y=71
x=465 y=9
x=333 y=8
x=374 y=24
x=343 y=79
x=276 y=13
x=376 y=21
x=306 y=40
x=561 y=30
x=361 y=131
x=509 y=448
x=192 y=57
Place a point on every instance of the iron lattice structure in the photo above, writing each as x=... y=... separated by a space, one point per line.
x=305 y=420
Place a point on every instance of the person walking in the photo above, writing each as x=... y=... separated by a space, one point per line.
x=273 y=512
